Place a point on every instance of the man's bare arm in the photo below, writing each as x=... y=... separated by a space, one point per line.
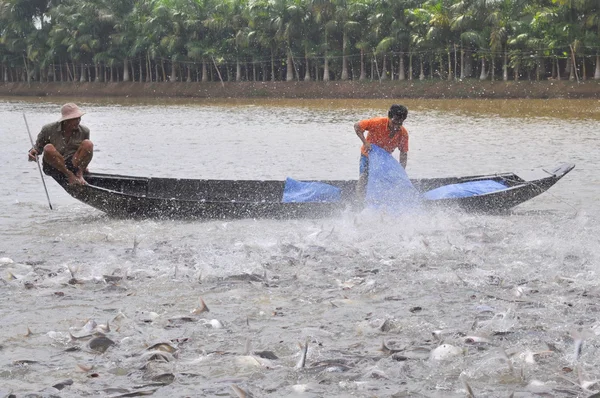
x=403 y=159
x=361 y=134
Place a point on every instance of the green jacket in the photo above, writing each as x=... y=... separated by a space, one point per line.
x=52 y=134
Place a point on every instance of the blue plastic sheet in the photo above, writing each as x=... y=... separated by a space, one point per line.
x=388 y=186
x=464 y=189
x=313 y=191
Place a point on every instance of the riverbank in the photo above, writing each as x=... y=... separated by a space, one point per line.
x=335 y=89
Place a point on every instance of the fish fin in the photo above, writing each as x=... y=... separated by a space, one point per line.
x=239 y=392
x=202 y=308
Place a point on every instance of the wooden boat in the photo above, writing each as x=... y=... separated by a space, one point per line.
x=142 y=197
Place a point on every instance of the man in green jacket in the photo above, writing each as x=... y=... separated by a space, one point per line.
x=66 y=146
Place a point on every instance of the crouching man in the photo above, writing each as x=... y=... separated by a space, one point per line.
x=66 y=146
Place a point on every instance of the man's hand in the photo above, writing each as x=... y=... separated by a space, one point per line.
x=32 y=155
x=403 y=159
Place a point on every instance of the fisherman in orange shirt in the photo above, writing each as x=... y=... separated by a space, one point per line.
x=385 y=132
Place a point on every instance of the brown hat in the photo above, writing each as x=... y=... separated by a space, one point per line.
x=70 y=111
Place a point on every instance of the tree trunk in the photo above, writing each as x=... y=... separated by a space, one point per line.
x=344 y=75
x=557 y=69
x=468 y=60
x=450 y=76
x=148 y=64
x=493 y=68
x=483 y=74
x=289 y=73
x=140 y=66
x=462 y=62
x=126 y=70
x=570 y=69
x=69 y=75
x=26 y=69
x=505 y=66
x=597 y=73
x=363 y=70
x=204 y=74
x=383 y=75
x=173 y=77
x=272 y=65
x=326 y=68
x=431 y=67
x=307 y=67
x=455 y=63
x=574 y=64
x=164 y=72
x=401 y=75
x=422 y=74
x=441 y=61
x=238 y=70
x=82 y=78
x=410 y=63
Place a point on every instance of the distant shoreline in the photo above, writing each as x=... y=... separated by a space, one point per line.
x=429 y=89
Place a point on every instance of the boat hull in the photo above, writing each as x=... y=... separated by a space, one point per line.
x=141 y=197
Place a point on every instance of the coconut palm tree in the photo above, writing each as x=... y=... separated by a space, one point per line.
x=263 y=30
x=24 y=26
x=590 y=17
x=324 y=14
x=360 y=10
x=418 y=20
x=440 y=32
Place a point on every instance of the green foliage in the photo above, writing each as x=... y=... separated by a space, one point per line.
x=40 y=33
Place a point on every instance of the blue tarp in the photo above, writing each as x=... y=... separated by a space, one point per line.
x=313 y=191
x=388 y=186
x=464 y=189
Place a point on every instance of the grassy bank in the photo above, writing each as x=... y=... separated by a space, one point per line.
x=335 y=89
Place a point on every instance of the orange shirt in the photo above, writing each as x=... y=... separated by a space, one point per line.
x=379 y=134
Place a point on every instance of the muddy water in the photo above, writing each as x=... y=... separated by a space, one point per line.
x=496 y=302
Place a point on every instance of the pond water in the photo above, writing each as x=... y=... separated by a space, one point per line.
x=500 y=303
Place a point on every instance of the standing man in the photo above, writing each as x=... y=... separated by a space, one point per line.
x=66 y=146
x=385 y=132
